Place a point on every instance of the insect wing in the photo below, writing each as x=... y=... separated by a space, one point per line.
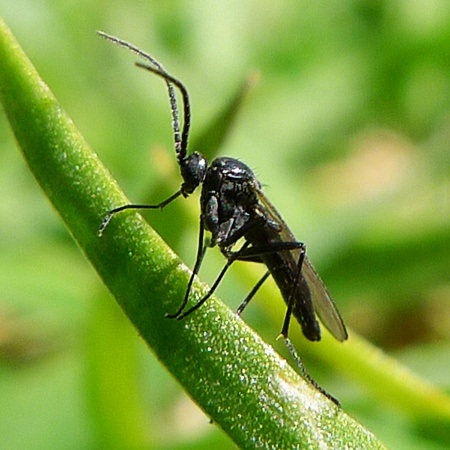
x=323 y=303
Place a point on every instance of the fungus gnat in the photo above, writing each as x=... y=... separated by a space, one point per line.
x=233 y=207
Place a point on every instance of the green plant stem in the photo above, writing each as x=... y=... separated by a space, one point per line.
x=238 y=380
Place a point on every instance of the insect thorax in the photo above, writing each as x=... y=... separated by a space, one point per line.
x=228 y=199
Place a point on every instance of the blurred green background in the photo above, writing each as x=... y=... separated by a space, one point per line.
x=348 y=130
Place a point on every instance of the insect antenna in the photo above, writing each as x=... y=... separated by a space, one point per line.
x=180 y=139
x=171 y=80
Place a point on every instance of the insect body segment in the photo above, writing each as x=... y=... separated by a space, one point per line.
x=228 y=194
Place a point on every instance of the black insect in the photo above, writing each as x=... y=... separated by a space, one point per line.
x=234 y=208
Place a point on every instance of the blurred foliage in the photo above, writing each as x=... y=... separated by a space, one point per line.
x=348 y=128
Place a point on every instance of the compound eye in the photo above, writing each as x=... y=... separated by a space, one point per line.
x=193 y=171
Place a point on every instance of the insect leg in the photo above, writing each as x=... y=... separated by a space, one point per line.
x=285 y=330
x=254 y=252
x=291 y=300
x=111 y=213
x=304 y=373
x=246 y=254
x=252 y=293
x=233 y=257
x=201 y=250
